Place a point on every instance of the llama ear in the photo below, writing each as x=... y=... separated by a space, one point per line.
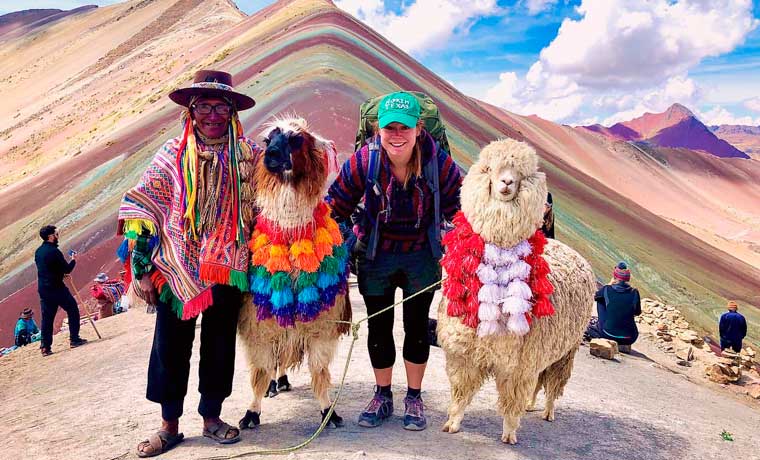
x=295 y=141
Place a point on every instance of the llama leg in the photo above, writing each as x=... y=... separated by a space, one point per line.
x=465 y=381
x=539 y=384
x=557 y=376
x=259 y=383
x=320 y=354
x=514 y=389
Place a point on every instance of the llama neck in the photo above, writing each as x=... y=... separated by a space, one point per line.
x=287 y=208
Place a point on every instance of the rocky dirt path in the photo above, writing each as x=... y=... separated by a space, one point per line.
x=89 y=403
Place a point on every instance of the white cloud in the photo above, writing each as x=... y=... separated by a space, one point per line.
x=626 y=57
x=537 y=6
x=720 y=116
x=753 y=104
x=20 y=5
x=422 y=25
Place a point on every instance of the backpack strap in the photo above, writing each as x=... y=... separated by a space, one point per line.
x=432 y=177
x=373 y=188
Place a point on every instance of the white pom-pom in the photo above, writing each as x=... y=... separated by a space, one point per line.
x=491 y=255
x=519 y=288
x=519 y=270
x=523 y=248
x=515 y=306
x=517 y=324
x=489 y=312
x=489 y=328
x=507 y=256
x=487 y=274
x=490 y=293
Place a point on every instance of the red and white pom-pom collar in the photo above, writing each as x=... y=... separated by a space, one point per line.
x=496 y=290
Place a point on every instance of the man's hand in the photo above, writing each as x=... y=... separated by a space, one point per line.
x=146 y=291
x=74 y=256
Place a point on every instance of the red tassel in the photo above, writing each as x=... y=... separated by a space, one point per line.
x=197 y=305
x=455 y=308
x=543 y=307
x=528 y=318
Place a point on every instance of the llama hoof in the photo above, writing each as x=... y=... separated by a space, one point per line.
x=531 y=408
x=509 y=438
x=272 y=390
x=335 y=419
x=450 y=427
x=282 y=383
x=548 y=416
x=250 y=420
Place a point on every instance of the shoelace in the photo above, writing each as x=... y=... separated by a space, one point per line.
x=375 y=403
x=414 y=406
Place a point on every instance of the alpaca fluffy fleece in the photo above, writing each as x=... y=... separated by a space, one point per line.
x=543 y=357
x=290 y=202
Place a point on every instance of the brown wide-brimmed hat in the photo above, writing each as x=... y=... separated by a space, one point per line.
x=212 y=83
x=27 y=313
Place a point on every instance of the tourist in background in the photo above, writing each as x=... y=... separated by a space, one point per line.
x=51 y=268
x=617 y=304
x=548 y=225
x=733 y=328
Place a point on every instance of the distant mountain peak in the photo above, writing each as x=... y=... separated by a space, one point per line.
x=676 y=127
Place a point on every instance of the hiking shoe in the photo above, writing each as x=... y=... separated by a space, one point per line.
x=78 y=342
x=378 y=409
x=46 y=351
x=414 y=414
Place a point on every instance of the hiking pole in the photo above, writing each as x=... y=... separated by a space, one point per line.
x=84 y=305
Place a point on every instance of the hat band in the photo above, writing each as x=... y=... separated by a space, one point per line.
x=212 y=85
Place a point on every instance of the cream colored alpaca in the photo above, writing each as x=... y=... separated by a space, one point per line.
x=503 y=198
x=290 y=183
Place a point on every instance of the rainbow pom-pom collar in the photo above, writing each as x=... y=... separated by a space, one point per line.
x=296 y=274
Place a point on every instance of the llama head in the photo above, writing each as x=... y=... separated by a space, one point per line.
x=503 y=193
x=291 y=176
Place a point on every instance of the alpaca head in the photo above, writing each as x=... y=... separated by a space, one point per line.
x=291 y=176
x=503 y=193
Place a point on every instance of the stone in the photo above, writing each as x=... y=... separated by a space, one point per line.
x=649 y=320
x=726 y=361
x=682 y=362
x=682 y=324
x=749 y=351
x=754 y=391
x=722 y=373
x=603 y=348
x=662 y=327
x=686 y=353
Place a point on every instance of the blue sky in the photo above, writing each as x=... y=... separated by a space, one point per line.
x=573 y=61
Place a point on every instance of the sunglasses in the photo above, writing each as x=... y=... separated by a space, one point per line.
x=205 y=109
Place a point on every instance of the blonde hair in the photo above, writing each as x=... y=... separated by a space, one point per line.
x=414 y=167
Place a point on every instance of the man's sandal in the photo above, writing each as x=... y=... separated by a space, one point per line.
x=159 y=442
x=219 y=431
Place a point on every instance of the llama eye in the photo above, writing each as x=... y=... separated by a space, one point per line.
x=486 y=169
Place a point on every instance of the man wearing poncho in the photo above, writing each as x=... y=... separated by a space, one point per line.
x=186 y=225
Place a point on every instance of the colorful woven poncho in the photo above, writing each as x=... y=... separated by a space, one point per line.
x=297 y=273
x=162 y=205
x=496 y=290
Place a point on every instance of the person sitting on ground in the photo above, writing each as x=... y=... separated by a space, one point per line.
x=733 y=328
x=26 y=328
x=616 y=304
x=107 y=293
x=548 y=226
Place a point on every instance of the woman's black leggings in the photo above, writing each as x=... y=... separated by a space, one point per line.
x=382 y=348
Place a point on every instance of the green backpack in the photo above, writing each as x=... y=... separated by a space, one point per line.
x=428 y=112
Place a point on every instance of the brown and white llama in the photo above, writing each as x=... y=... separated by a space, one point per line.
x=515 y=305
x=298 y=266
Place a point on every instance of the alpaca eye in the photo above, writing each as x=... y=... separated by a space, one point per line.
x=486 y=169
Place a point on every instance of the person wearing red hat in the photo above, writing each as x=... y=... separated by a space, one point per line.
x=617 y=303
x=186 y=224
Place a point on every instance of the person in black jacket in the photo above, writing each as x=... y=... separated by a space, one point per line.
x=51 y=268
x=617 y=303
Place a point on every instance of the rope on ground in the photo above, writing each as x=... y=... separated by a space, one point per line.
x=355 y=336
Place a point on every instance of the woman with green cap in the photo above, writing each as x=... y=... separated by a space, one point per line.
x=399 y=244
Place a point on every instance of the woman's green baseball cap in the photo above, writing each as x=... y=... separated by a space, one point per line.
x=400 y=107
